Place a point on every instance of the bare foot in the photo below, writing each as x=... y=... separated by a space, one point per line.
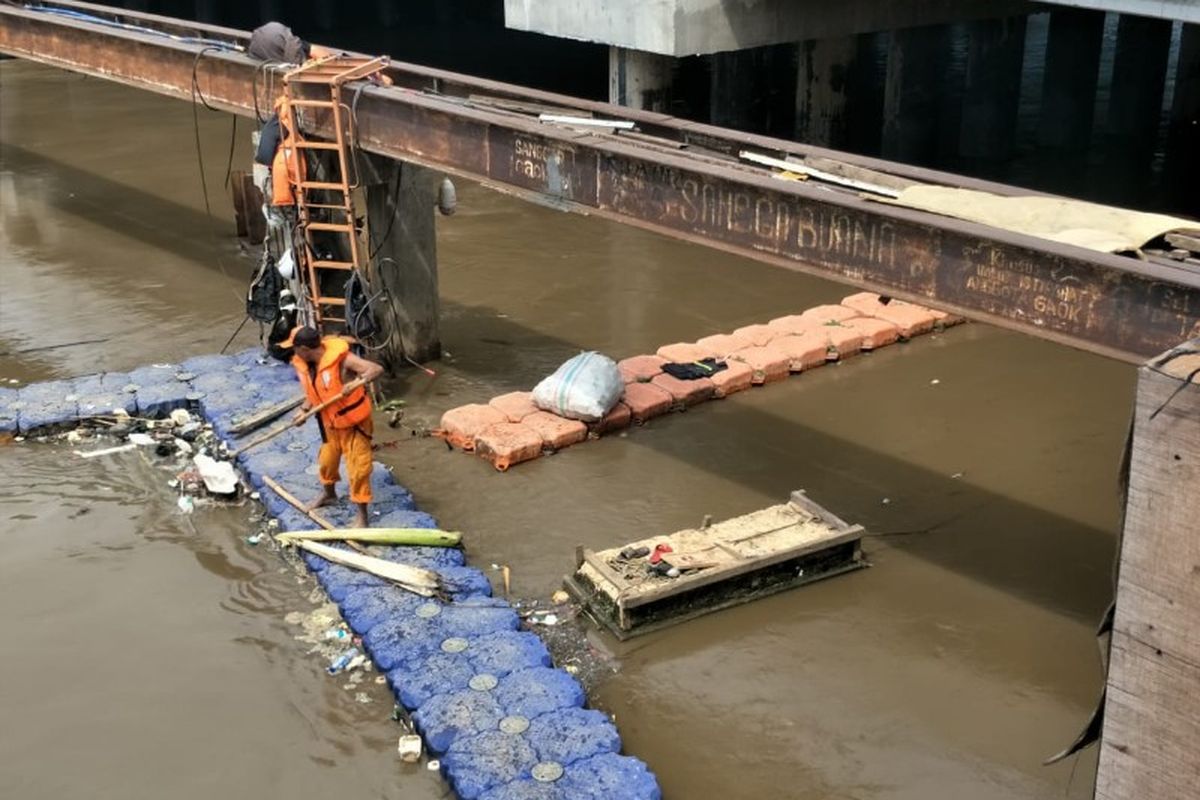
x=325 y=499
x=361 y=521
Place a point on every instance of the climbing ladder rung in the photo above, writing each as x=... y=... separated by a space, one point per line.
x=313 y=103
x=331 y=301
x=313 y=145
x=342 y=207
x=345 y=227
x=346 y=265
x=339 y=187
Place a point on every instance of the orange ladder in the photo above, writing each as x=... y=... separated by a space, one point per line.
x=333 y=72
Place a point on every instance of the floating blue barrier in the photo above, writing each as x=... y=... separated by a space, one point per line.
x=483 y=692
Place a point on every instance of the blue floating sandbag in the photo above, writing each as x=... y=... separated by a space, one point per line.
x=203 y=365
x=530 y=692
x=369 y=606
x=447 y=717
x=314 y=562
x=34 y=415
x=291 y=519
x=46 y=392
x=477 y=763
x=160 y=399
x=430 y=672
x=87 y=384
x=465 y=581
x=116 y=382
x=250 y=356
x=454 y=620
x=420 y=556
x=608 y=776
x=340 y=581
x=572 y=734
x=154 y=375
x=404 y=519
x=105 y=404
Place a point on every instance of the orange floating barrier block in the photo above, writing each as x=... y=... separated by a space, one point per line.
x=843 y=340
x=556 y=432
x=516 y=406
x=757 y=335
x=793 y=324
x=685 y=393
x=682 y=352
x=768 y=363
x=720 y=345
x=804 y=351
x=619 y=418
x=736 y=377
x=944 y=319
x=461 y=425
x=508 y=443
x=646 y=401
x=875 y=332
x=828 y=313
x=640 y=368
x=911 y=320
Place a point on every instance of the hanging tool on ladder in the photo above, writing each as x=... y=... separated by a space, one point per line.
x=325 y=208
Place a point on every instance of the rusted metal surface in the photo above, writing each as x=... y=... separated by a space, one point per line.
x=1116 y=306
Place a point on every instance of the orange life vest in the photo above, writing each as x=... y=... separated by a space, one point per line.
x=326 y=382
x=288 y=165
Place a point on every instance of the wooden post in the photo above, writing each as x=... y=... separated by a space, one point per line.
x=403 y=237
x=1152 y=713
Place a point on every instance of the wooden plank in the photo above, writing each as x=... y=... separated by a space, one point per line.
x=256 y=421
x=1185 y=240
x=687 y=583
x=608 y=573
x=1152 y=713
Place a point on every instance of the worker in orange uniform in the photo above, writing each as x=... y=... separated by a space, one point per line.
x=326 y=369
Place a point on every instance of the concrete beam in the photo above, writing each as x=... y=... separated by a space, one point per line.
x=702 y=27
x=1183 y=10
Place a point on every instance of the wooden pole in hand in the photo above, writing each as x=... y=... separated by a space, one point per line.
x=271 y=434
x=308 y=512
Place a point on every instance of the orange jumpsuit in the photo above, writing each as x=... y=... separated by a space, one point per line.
x=346 y=425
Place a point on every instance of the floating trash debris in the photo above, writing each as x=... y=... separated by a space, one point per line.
x=409 y=748
x=186 y=504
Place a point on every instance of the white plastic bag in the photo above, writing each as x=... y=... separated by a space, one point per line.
x=586 y=388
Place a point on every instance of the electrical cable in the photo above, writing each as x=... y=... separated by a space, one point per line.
x=113 y=23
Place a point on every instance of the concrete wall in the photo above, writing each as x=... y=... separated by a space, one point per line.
x=697 y=27
x=1185 y=10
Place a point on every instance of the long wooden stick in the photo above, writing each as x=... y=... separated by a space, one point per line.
x=271 y=434
x=308 y=512
x=263 y=417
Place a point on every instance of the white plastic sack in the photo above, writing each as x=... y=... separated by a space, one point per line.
x=586 y=388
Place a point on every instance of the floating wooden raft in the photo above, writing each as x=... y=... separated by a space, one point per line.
x=724 y=564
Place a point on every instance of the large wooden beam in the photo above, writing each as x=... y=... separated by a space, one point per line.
x=1150 y=746
x=699 y=192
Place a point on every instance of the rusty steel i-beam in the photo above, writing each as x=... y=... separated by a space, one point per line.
x=670 y=176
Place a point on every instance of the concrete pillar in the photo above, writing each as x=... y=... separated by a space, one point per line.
x=995 y=52
x=640 y=80
x=1152 y=709
x=324 y=12
x=1139 y=73
x=1069 y=85
x=402 y=234
x=911 y=94
x=822 y=88
x=732 y=102
x=269 y=10
x=1181 y=173
x=864 y=102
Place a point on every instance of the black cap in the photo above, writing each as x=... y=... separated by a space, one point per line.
x=303 y=336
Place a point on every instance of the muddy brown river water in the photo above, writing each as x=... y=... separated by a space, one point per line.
x=146 y=652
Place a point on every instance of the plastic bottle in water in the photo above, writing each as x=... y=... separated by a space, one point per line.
x=341 y=661
x=337 y=635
